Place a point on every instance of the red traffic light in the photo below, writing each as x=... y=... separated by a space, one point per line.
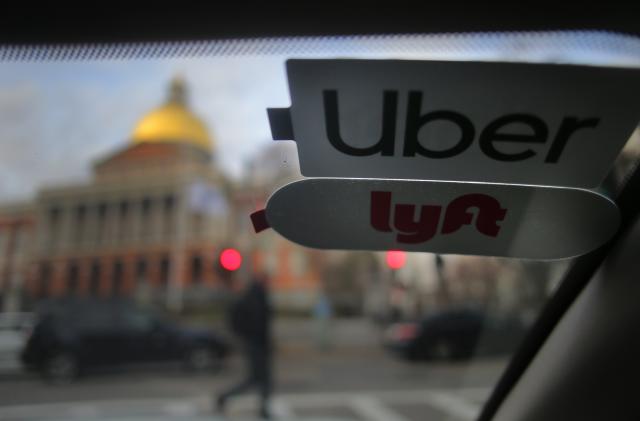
x=396 y=259
x=230 y=259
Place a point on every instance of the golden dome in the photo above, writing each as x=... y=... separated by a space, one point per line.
x=173 y=122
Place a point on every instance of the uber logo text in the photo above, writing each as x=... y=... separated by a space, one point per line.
x=489 y=139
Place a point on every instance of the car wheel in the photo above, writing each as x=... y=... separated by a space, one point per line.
x=202 y=359
x=61 y=368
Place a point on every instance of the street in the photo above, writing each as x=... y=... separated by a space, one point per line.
x=355 y=380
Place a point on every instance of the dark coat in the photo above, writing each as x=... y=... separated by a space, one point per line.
x=251 y=315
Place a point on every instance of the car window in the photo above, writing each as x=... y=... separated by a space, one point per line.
x=136 y=321
x=88 y=321
x=128 y=177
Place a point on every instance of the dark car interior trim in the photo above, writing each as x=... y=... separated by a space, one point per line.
x=575 y=280
x=52 y=24
x=24 y=23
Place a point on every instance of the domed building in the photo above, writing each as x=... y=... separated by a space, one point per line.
x=149 y=222
x=173 y=122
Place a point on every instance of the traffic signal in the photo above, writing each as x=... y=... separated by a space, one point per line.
x=230 y=259
x=228 y=262
x=396 y=259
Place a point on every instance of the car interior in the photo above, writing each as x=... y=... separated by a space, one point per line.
x=579 y=360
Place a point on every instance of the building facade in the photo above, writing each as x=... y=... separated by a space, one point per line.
x=150 y=224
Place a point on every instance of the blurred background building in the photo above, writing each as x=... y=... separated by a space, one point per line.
x=157 y=212
x=150 y=224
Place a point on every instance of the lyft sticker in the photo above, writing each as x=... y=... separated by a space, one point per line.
x=521 y=123
x=441 y=217
x=412 y=230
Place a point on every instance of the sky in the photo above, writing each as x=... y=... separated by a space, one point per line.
x=57 y=118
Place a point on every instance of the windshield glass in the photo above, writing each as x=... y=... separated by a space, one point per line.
x=132 y=281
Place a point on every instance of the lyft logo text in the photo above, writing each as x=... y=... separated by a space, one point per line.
x=401 y=217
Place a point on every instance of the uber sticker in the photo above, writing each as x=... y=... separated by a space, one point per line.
x=464 y=121
x=519 y=221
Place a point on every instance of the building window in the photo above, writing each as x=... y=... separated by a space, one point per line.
x=44 y=278
x=117 y=278
x=123 y=220
x=196 y=269
x=165 y=264
x=102 y=223
x=73 y=276
x=168 y=216
x=146 y=218
x=141 y=270
x=80 y=221
x=54 y=224
x=94 y=278
x=54 y=215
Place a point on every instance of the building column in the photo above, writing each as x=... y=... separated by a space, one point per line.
x=65 y=231
x=90 y=237
x=177 y=254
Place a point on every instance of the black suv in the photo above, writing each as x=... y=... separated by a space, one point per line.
x=72 y=336
x=455 y=334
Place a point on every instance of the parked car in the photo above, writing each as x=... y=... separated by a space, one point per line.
x=15 y=328
x=72 y=338
x=455 y=334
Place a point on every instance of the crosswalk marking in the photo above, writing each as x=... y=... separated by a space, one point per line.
x=368 y=406
x=181 y=409
x=371 y=409
x=282 y=410
x=83 y=412
x=453 y=405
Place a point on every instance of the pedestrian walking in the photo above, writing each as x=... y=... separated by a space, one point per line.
x=250 y=319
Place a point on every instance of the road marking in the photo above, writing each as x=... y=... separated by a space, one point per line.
x=181 y=409
x=453 y=402
x=282 y=410
x=83 y=411
x=371 y=409
x=454 y=405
